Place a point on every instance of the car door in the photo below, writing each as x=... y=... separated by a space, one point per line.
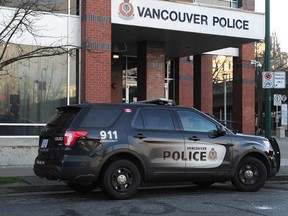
x=159 y=142
x=207 y=150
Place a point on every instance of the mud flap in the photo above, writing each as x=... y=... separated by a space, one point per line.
x=276 y=149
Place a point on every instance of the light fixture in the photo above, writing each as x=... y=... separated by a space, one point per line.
x=115 y=56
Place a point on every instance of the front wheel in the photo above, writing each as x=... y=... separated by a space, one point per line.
x=121 y=179
x=250 y=175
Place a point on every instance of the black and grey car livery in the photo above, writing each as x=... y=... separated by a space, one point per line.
x=120 y=146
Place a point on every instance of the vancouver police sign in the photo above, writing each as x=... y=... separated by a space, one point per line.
x=188 y=18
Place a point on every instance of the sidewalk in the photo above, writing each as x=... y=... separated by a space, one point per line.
x=31 y=183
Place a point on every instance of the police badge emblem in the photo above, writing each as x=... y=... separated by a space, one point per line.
x=212 y=154
x=126 y=10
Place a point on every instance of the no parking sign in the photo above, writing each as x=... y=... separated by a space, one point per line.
x=275 y=80
x=267 y=80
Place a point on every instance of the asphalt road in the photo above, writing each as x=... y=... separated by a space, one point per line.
x=221 y=199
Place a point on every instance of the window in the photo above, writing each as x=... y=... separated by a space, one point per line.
x=192 y=121
x=99 y=117
x=31 y=89
x=154 y=120
x=55 y=6
x=63 y=118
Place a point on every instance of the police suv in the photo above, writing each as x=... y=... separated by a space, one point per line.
x=120 y=146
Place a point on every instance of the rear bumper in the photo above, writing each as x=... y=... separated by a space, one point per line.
x=69 y=169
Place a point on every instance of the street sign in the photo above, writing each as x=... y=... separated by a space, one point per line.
x=277 y=99
x=267 y=80
x=279 y=79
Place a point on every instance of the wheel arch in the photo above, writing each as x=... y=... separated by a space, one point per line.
x=126 y=155
x=259 y=155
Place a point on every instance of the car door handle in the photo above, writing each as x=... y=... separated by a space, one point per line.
x=139 y=136
x=194 y=138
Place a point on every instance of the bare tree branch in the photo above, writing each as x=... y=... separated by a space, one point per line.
x=21 y=19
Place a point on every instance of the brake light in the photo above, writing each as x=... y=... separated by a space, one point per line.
x=70 y=137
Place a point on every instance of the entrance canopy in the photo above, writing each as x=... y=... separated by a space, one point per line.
x=185 y=28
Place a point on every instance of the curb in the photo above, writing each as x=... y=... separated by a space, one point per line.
x=283 y=177
x=32 y=188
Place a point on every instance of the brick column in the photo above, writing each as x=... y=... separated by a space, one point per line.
x=244 y=90
x=151 y=70
x=203 y=82
x=96 y=51
x=244 y=83
x=184 y=81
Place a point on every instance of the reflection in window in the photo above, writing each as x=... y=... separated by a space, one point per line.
x=31 y=89
x=192 y=121
x=155 y=120
x=55 y=6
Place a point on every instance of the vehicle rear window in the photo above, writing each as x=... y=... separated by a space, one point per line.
x=100 y=117
x=63 y=118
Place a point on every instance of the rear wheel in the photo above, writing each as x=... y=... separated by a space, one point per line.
x=121 y=179
x=81 y=187
x=250 y=175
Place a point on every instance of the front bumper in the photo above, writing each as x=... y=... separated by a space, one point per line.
x=277 y=154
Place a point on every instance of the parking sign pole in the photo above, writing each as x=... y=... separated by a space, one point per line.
x=268 y=133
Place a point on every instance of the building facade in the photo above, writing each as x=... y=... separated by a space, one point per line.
x=125 y=51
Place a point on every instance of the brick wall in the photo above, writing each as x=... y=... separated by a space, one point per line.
x=151 y=70
x=96 y=51
x=244 y=84
x=244 y=90
x=203 y=81
x=185 y=82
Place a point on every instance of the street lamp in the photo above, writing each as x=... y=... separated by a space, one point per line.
x=225 y=97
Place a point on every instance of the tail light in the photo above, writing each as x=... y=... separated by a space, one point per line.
x=71 y=137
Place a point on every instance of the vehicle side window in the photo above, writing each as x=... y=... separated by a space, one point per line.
x=192 y=121
x=100 y=117
x=154 y=119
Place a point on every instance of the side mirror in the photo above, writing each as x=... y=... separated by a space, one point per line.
x=221 y=131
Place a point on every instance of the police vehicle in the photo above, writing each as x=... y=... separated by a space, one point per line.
x=117 y=147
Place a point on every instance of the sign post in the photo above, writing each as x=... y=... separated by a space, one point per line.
x=268 y=132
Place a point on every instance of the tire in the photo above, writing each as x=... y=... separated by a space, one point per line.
x=121 y=179
x=251 y=175
x=81 y=187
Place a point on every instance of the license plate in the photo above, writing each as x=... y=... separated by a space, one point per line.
x=44 y=143
x=40 y=162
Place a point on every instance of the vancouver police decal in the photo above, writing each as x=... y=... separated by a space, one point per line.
x=196 y=155
x=126 y=10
